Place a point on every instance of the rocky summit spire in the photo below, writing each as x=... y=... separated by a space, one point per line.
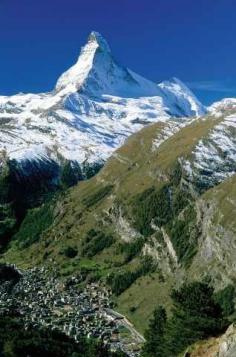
x=96 y=37
x=75 y=77
x=97 y=73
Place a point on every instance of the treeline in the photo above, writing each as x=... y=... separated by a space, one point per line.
x=197 y=314
x=122 y=280
x=95 y=242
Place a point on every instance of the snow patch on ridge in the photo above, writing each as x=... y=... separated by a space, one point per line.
x=185 y=101
x=218 y=108
x=214 y=158
x=170 y=128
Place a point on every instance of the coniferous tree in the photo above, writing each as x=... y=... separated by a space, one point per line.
x=195 y=316
x=154 y=346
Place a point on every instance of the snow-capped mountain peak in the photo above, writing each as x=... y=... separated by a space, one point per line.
x=175 y=90
x=226 y=104
x=97 y=38
x=97 y=73
x=74 y=77
x=96 y=104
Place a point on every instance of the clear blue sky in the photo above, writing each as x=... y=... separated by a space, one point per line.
x=193 y=40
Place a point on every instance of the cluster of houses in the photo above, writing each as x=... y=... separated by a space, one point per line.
x=43 y=299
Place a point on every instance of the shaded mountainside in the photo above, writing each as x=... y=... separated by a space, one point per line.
x=161 y=210
x=28 y=184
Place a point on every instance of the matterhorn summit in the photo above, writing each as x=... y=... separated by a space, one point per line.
x=97 y=73
x=96 y=50
x=95 y=106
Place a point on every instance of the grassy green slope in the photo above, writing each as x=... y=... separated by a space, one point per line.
x=103 y=214
x=133 y=169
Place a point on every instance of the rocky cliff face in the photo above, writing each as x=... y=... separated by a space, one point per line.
x=216 y=247
x=222 y=346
